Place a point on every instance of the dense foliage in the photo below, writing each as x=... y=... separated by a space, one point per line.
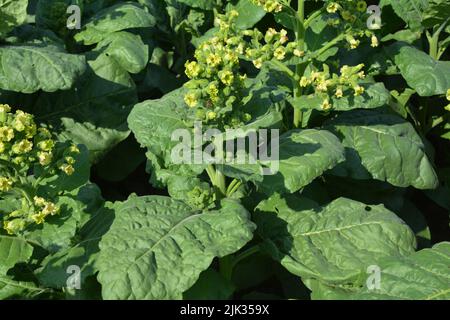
x=93 y=204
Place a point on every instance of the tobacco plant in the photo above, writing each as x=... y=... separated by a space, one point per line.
x=356 y=104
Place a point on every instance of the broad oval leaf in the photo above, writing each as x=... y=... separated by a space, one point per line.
x=157 y=247
x=422 y=73
x=335 y=243
x=304 y=155
x=119 y=17
x=387 y=146
x=13 y=250
x=12 y=13
x=28 y=69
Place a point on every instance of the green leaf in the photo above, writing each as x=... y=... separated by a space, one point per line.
x=10 y=288
x=249 y=14
x=127 y=50
x=28 y=69
x=13 y=250
x=411 y=11
x=304 y=156
x=423 y=275
x=210 y=286
x=93 y=113
x=422 y=73
x=123 y=16
x=157 y=247
x=201 y=4
x=12 y=13
x=335 y=243
x=386 y=146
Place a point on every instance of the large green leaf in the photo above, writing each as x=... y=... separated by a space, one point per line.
x=123 y=16
x=10 y=288
x=387 y=146
x=201 y=4
x=28 y=69
x=12 y=251
x=249 y=14
x=425 y=275
x=304 y=155
x=335 y=243
x=93 y=113
x=12 y=13
x=422 y=73
x=157 y=247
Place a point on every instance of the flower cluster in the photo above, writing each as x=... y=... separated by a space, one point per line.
x=216 y=82
x=27 y=148
x=269 y=5
x=327 y=85
x=351 y=16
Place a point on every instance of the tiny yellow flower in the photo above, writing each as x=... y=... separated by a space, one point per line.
x=339 y=93
x=326 y=105
x=45 y=158
x=374 y=41
x=354 y=43
x=40 y=202
x=361 y=75
x=38 y=218
x=67 y=169
x=358 y=90
x=4 y=108
x=5 y=184
x=192 y=69
x=279 y=53
x=211 y=115
x=447 y=108
x=299 y=53
x=226 y=77
x=213 y=60
x=14 y=226
x=361 y=6
x=234 y=14
x=346 y=15
x=46 y=145
x=74 y=149
x=322 y=86
x=50 y=209
x=21 y=147
x=6 y=134
x=283 y=36
x=332 y=7
x=191 y=99
x=258 y=63
x=304 y=82
x=70 y=160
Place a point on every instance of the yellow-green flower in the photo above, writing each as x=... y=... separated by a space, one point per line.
x=358 y=90
x=67 y=169
x=40 y=202
x=213 y=60
x=50 y=209
x=226 y=77
x=38 y=218
x=22 y=121
x=14 y=226
x=283 y=36
x=211 y=115
x=5 y=184
x=45 y=158
x=46 y=145
x=191 y=99
x=279 y=53
x=6 y=134
x=326 y=105
x=332 y=7
x=299 y=53
x=339 y=93
x=258 y=63
x=374 y=41
x=347 y=15
x=23 y=146
x=192 y=69
x=353 y=43
x=4 y=108
x=361 y=6
x=74 y=149
x=304 y=82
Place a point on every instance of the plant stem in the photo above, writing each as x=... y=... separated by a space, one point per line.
x=245 y=254
x=217 y=179
x=226 y=267
x=299 y=70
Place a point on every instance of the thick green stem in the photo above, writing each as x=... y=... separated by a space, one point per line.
x=299 y=70
x=217 y=179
